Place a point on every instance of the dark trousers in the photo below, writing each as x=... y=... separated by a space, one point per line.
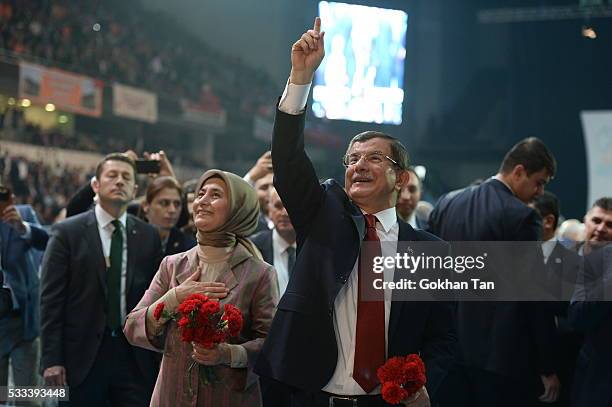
x=472 y=387
x=569 y=346
x=6 y=301
x=273 y=393
x=114 y=379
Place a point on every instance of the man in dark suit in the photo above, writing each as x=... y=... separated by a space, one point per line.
x=22 y=240
x=562 y=268
x=591 y=313
x=278 y=247
x=326 y=341
x=408 y=200
x=96 y=268
x=501 y=343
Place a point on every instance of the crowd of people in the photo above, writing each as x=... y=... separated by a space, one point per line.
x=128 y=46
x=14 y=127
x=293 y=256
x=46 y=187
x=125 y=42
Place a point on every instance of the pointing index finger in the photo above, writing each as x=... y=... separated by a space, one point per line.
x=317 y=24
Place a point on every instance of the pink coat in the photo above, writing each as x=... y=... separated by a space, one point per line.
x=253 y=289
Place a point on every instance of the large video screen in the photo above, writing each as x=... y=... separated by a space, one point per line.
x=361 y=77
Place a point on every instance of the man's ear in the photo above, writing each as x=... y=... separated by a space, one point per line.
x=95 y=184
x=549 y=220
x=518 y=171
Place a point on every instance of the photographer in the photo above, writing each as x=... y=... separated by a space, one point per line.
x=21 y=241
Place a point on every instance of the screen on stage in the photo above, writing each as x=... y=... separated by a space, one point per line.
x=361 y=77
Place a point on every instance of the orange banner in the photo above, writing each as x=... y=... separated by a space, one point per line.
x=67 y=91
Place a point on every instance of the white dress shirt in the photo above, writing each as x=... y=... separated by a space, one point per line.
x=281 y=260
x=294 y=98
x=548 y=247
x=293 y=101
x=412 y=220
x=345 y=310
x=106 y=229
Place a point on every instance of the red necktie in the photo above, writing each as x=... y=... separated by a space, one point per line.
x=370 y=335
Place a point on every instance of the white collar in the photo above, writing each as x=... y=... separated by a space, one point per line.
x=104 y=218
x=497 y=177
x=412 y=219
x=387 y=218
x=280 y=242
x=550 y=242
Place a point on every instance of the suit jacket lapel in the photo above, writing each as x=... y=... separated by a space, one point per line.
x=405 y=236
x=96 y=254
x=240 y=255
x=351 y=208
x=359 y=222
x=270 y=245
x=132 y=240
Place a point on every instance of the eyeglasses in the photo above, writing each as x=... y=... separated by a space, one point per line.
x=374 y=157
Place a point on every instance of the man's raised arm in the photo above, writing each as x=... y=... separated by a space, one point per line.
x=306 y=56
x=294 y=176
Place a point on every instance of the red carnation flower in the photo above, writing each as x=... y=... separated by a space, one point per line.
x=401 y=377
x=187 y=307
x=201 y=320
x=183 y=322
x=187 y=335
x=210 y=308
x=415 y=374
x=414 y=358
x=393 y=393
x=233 y=316
x=219 y=337
x=198 y=297
x=159 y=309
x=392 y=371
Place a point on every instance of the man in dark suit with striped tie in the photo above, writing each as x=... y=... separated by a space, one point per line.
x=96 y=268
x=327 y=340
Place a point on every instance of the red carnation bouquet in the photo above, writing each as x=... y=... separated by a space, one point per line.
x=401 y=377
x=206 y=322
